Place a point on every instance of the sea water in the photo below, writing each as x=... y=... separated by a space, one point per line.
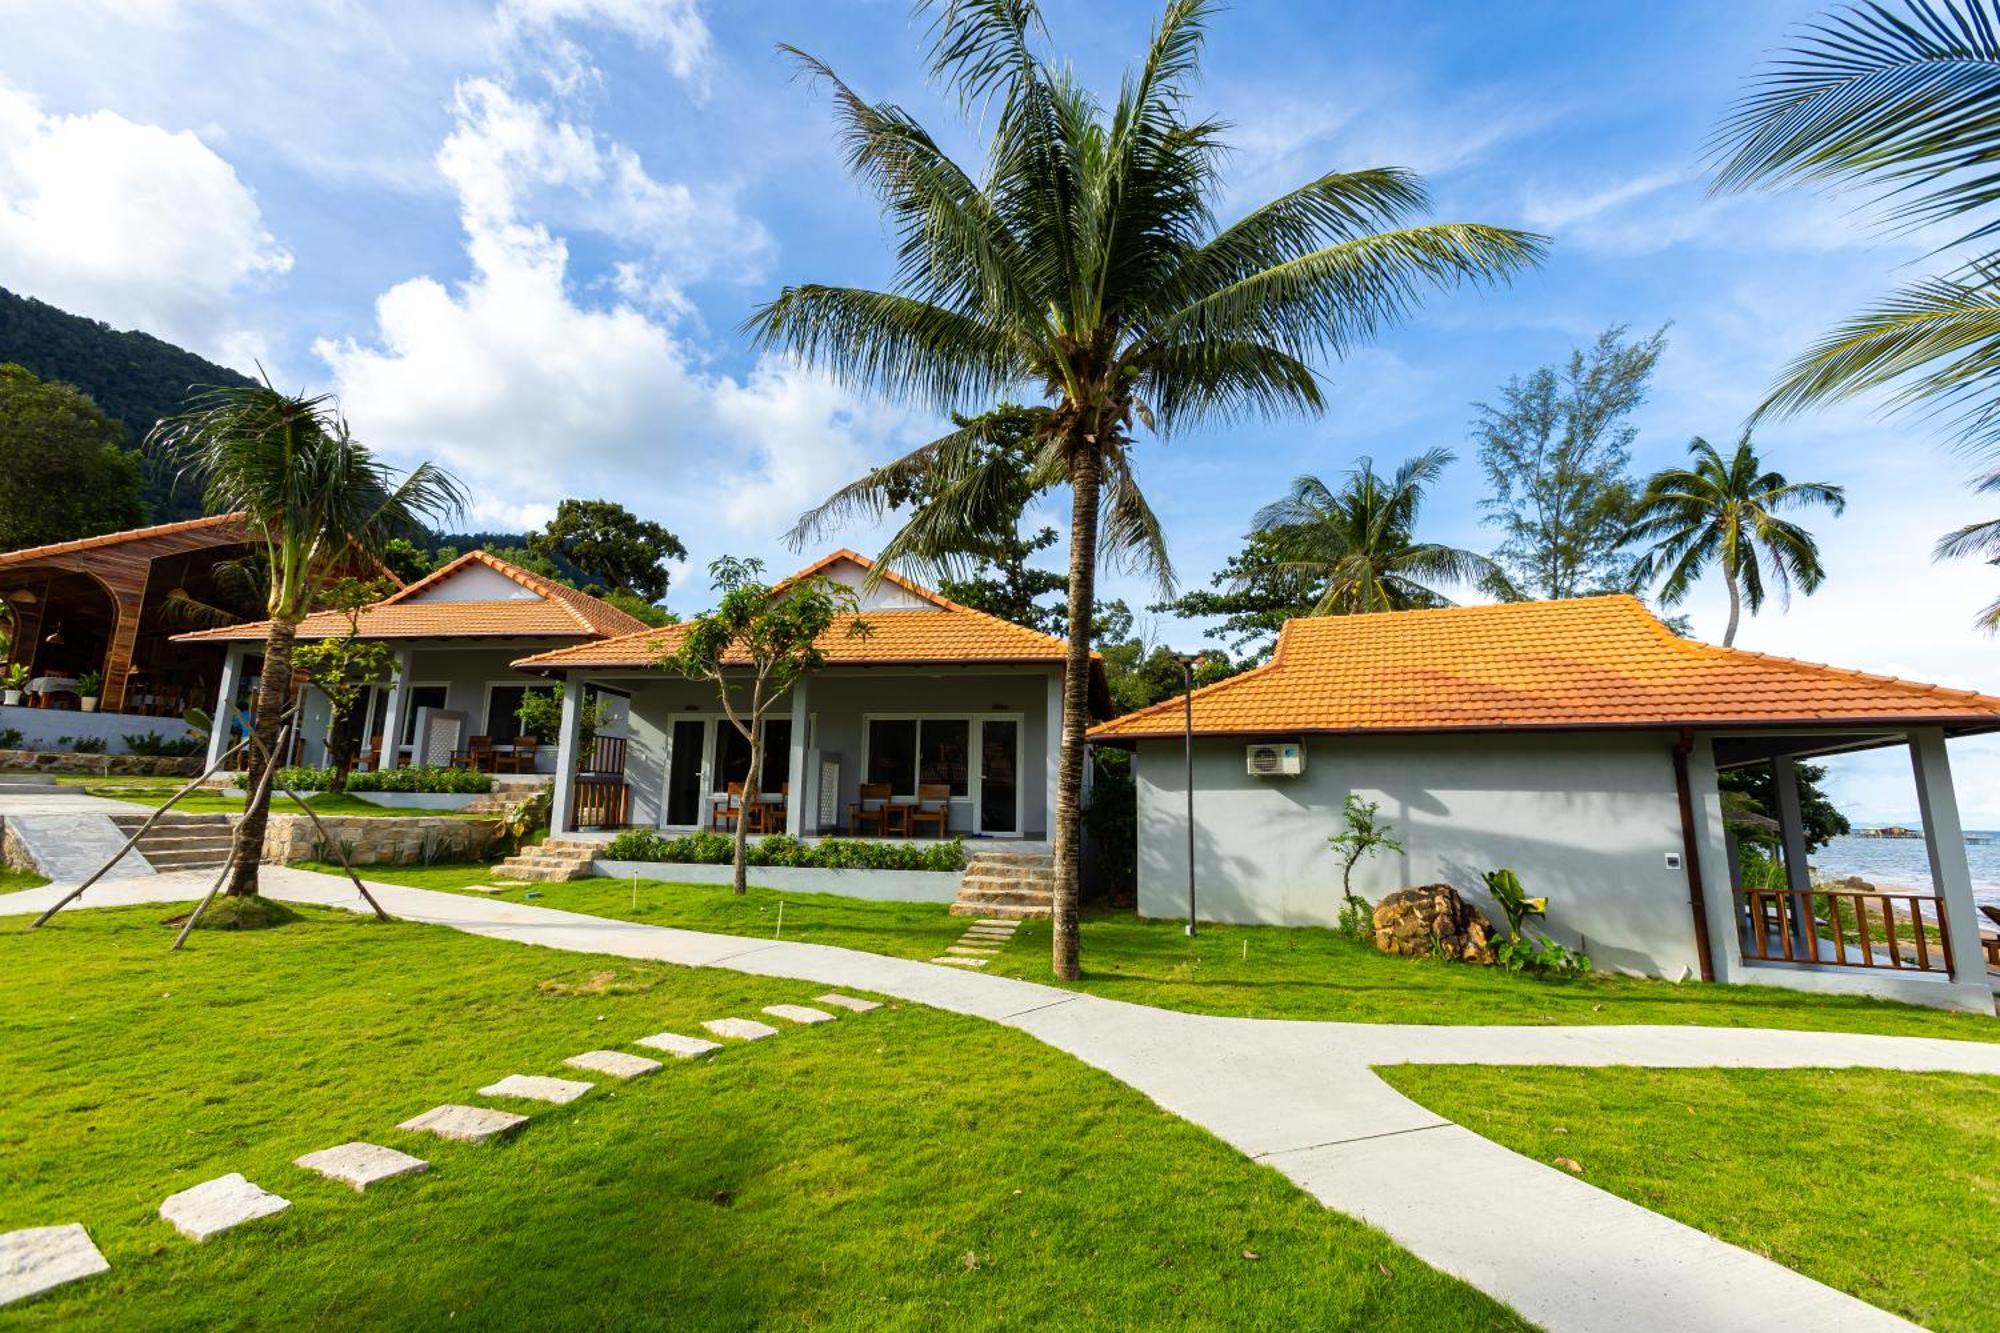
x=1898 y=863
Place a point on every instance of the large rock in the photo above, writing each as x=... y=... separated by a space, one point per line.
x=1432 y=921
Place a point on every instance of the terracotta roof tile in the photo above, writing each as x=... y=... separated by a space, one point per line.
x=556 y=610
x=1594 y=662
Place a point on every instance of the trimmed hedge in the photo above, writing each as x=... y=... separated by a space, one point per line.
x=456 y=781
x=778 y=849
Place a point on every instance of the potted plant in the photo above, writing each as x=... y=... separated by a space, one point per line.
x=12 y=683
x=87 y=685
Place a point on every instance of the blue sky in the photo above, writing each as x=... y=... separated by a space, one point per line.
x=517 y=236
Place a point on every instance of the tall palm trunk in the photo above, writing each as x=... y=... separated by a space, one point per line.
x=1086 y=478
x=273 y=693
x=1735 y=605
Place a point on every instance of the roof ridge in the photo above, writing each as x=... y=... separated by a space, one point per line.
x=127 y=534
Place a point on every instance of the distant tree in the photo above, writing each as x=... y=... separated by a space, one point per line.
x=408 y=560
x=344 y=666
x=1357 y=544
x=314 y=498
x=1138 y=669
x=1725 y=512
x=755 y=645
x=1556 y=449
x=1822 y=821
x=637 y=607
x=63 y=471
x=1252 y=596
x=987 y=490
x=612 y=546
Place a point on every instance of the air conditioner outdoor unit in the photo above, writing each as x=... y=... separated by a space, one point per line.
x=1286 y=760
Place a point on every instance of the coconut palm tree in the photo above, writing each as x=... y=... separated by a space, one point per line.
x=1084 y=271
x=1977 y=541
x=318 y=504
x=1898 y=98
x=1356 y=544
x=1726 y=511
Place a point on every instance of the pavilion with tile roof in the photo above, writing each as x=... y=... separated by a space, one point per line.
x=1577 y=743
x=934 y=695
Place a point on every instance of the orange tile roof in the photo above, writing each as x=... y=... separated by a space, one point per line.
x=949 y=634
x=1590 y=663
x=29 y=555
x=557 y=611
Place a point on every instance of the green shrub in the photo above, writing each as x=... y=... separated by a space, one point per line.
x=456 y=781
x=82 y=744
x=778 y=849
x=291 y=778
x=153 y=745
x=10 y=738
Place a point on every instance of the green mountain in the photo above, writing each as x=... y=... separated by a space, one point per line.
x=135 y=377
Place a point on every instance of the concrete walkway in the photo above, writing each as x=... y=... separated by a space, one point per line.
x=1302 y=1098
x=69 y=834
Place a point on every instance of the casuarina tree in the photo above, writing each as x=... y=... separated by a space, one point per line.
x=1084 y=272
x=319 y=504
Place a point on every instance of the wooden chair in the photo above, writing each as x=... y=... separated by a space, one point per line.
x=872 y=808
x=477 y=755
x=522 y=757
x=933 y=807
x=373 y=760
x=723 y=814
x=770 y=815
x=1990 y=940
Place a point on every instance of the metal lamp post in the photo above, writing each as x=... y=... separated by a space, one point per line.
x=1189 y=661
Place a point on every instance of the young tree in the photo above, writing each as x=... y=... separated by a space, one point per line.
x=1358 y=544
x=1726 y=511
x=605 y=540
x=1556 y=449
x=318 y=503
x=1085 y=263
x=63 y=472
x=760 y=638
x=1362 y=834
x=343 y=668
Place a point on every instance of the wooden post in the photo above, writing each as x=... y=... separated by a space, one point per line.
x=118 y=657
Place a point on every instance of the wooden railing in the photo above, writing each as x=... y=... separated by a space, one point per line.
x=1845 y=928
x=605 y=754
x=598 y=802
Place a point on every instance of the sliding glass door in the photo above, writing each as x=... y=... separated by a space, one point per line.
x=999 y=776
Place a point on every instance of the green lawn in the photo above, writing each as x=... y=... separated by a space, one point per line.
x=155 y=791
x=13 y=880
x=1239 y=971
x=1884 y=1185
x=905 y=1168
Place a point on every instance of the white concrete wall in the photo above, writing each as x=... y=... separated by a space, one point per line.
x=1585 y=819
x=895 y=886
x=42 y=728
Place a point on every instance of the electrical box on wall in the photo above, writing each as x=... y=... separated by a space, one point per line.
x=1283 y=760
x=1673 y=860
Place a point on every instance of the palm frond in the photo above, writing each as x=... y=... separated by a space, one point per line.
x=1130 y=534
x=880 y=340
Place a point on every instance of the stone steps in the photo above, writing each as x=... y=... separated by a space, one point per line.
x=551 y=862
x=1010 y=885
x=181 y=842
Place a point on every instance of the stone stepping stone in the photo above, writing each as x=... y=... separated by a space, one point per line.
x=615 y=1063
x=798 y=1013
x=854 y=1003
x=362 y=1164
x=961 y=962
x=1000 y=935
x=214 y=1206
x=40 y=1259
x=464 y=1124
x=490 y=889
x=747 y=1029
x=673 y=1043
x=968 y=950
x=538 y=1088
x=1001 y=923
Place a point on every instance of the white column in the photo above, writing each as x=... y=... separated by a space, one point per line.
x=399 y=702
x=796 y=802
x=220 y=734
x=1792 y=833
x=1054 y=757
x=568 y=743
x=1944 y=839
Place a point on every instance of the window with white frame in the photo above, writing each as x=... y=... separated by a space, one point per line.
x=732 y=755
x=907 y=751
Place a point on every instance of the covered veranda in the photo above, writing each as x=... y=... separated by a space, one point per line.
x=1907 y=941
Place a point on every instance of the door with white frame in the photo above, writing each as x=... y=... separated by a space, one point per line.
x=977 y=756
x=705 y=753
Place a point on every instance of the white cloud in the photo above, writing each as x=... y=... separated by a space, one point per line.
x=129 y=223
x=531 y=29
x=529 y=392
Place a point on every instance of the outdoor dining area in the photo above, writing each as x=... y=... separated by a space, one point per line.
x=482 y=755
x=879 y=811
